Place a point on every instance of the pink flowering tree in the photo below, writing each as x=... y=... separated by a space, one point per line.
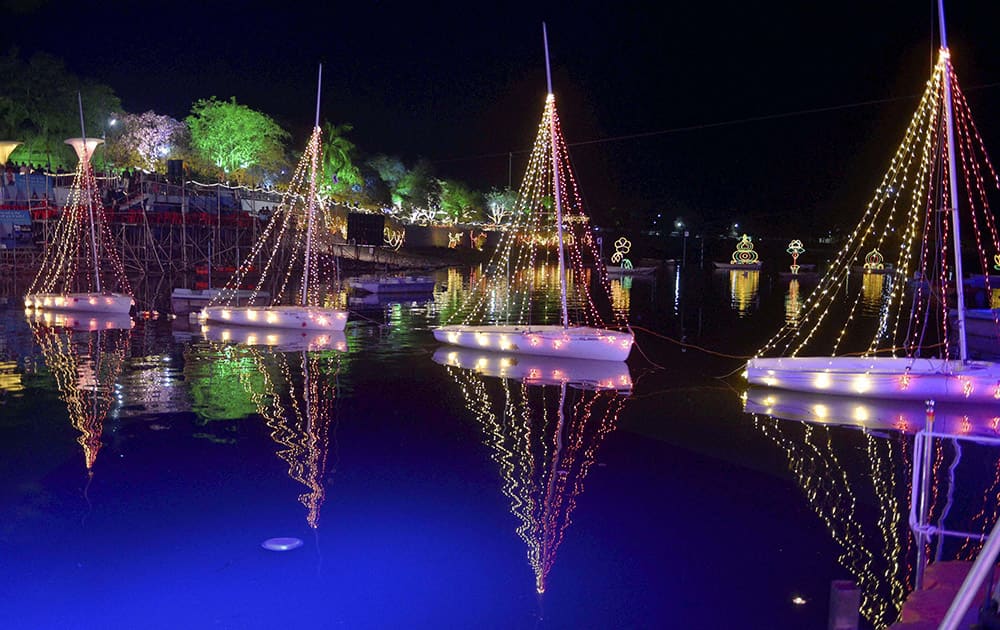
x=145 y=142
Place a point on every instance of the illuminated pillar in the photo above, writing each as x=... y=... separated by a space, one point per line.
x=84 y=147
x=6 y=148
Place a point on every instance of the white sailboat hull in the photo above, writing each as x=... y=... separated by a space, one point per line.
x=881 y=377
x=109 y=303
x=575 y=342
x=184 y=301
x=277 y=317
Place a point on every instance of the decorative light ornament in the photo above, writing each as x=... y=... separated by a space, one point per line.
x=622 y=247
x=874 y=261
x=795 y=248
x=394 y=238
x=744 y=254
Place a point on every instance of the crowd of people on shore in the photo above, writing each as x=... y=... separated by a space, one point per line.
x=12 y=168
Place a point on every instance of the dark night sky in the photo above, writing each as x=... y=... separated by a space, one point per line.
x=463 y=84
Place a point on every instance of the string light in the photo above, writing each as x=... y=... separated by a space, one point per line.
x=508 y=290
x=544 y=444
x=74 y=261
x=282 y=248
x=904 y=217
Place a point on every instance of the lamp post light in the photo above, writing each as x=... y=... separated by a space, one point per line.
x=679 y=224
x=111 y=122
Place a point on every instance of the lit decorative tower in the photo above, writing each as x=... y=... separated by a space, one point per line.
x=6 y=148
x=84 y=147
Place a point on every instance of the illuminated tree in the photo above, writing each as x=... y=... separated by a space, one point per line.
x=38 y=104
x=458 y=202
x=500 y=205
x=417 y=187
x=390 y=171
x=145 y=141
x=234 y=138
x=340 y=174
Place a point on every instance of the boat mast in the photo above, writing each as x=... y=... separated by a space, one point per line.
x=312 y=197
x=85 y=183
x=555 y=181
x=953 y=184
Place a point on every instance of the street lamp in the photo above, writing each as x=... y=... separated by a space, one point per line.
x=111 y=122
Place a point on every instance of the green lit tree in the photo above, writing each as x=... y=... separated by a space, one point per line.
x=340 y=174
x=38 y=105
x=390 y=171
x=233 y=138
x=417 y=187
x=459 y=203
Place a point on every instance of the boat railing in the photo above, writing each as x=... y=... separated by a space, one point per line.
x=921 y=491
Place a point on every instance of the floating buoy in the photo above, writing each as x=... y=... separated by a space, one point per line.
x=281 y=544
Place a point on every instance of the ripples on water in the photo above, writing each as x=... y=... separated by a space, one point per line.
x=143 y=468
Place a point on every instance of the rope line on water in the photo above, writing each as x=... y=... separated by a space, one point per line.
x=684 y=344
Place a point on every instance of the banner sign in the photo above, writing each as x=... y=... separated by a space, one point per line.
x=15 y=217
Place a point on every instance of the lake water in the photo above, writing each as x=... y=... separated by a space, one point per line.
x=142 y=470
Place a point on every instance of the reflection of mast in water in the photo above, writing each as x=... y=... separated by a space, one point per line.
x=85 y=363
x=544 y=433
x=297 y=401
x=887 y=552
x=881 y=561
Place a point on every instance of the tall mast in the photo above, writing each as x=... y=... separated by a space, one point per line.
x=550 y=100
x=85 y=183
x=312 y=196
x=953 y=185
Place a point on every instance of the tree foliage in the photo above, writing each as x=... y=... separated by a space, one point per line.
x=417 y=187
x=459 y=202
x=340 y=174
x=233 y=138
x=39 y=106
x=145 y=141
x=500 y=205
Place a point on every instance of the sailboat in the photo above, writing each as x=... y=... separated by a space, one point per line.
x=73 y=274
x=915 y=211
x=298 y=244
x=500 y=312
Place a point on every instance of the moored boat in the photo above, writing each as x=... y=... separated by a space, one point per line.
x=500 y=312
x=301 y=255
x=911 y=318
x=392 y=284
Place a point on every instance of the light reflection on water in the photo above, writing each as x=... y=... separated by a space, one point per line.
x=374 y=441
x=744 y=286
